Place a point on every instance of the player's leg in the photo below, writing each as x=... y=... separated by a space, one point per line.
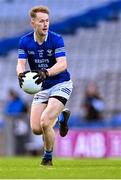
x=36 y=112
x=39 y=103
x=63 y=122
x=48 y=120
x=62 y=92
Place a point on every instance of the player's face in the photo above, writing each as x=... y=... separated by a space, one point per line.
x=41 y=23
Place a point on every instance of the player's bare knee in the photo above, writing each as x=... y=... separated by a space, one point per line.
x=36 y=131
x=46 y=121
x=44 y=125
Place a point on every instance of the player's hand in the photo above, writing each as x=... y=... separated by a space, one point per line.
x=41 y=76
x=20 y=78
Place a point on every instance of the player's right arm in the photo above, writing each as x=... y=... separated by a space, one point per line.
x=22 y=59
x=22 y=56
x=21 y=66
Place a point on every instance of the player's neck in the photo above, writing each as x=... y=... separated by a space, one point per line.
x=40 y=38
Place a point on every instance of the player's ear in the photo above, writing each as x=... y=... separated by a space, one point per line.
x=32 y=22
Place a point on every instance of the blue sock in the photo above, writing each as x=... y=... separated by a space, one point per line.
x=61 y=117
x=47 y=154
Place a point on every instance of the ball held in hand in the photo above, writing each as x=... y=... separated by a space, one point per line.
x=29 y=86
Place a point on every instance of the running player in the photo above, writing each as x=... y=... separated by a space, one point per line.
x=45 y=52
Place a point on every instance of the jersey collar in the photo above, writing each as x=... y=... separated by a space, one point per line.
x=44 y=40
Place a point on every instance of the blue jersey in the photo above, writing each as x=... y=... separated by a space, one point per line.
x=44 y=55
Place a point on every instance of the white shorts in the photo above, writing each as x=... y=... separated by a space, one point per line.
x=63 y=89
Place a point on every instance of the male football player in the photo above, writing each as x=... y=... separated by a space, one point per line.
x=45 y=52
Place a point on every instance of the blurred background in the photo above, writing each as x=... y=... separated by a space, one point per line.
x=92 y=33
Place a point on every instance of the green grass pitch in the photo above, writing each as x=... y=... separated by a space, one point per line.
x=29 y=168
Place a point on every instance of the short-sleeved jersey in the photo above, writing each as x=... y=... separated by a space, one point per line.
x=44 y=55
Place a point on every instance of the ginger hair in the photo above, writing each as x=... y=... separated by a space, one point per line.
x=33 y=11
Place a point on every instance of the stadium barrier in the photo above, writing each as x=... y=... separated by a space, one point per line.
x=89 y=144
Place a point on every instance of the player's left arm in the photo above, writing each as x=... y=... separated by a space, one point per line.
x=60 y=66
x=60 y=55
